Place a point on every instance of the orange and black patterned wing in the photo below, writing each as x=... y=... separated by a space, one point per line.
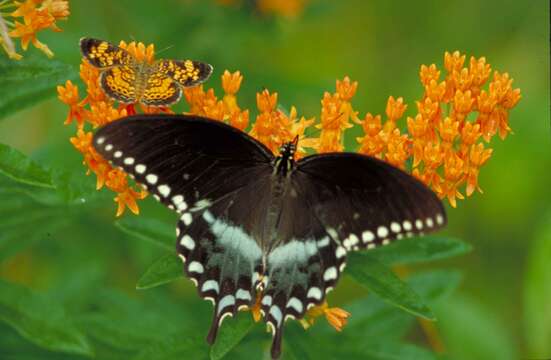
x=186 y=73
x=103 y=54
x=160 y=90
x=119 y=83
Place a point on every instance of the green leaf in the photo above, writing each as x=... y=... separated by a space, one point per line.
x=164 y=270
x=40 y=321
x=22 y=169
x=14 y=347
x=378 y=278
x=537 y=295
x=122 y=322
x=397 y=351
x=75 y=187
x=176 y=348
x=373 y=320
x=15 y=232
x=230 y=334
x=435 y=285
x=153 y=231
x=30 y=81
x=427 y=248
x=473 y=331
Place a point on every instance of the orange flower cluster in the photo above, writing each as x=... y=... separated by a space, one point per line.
x=441 y=147
x=284 y=8
x=454 y=116
x=96 y=109
x=27 y=19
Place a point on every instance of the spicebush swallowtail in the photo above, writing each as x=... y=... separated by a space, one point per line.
x=254 y=222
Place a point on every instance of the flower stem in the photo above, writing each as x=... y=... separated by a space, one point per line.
x=433 y=336
x=7 y=43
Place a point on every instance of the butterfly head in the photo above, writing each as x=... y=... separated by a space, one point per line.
x=288 y=149
x=286 y=158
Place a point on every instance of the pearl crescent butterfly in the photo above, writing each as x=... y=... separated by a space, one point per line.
x=128 y=80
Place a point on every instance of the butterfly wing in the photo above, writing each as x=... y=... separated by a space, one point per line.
x=336 y=203
x=365 y=202
x=215 y=177
x=160 y=90
x=186 y=73
x=103 y=54
x=119 y=83
x=220 y=247
x=302 y=265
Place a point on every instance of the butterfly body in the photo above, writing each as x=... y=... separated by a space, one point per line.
x=257 y=224
x=129 y=80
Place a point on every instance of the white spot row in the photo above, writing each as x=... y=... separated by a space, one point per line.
x=383 y=232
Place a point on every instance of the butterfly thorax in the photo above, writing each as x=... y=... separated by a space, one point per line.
x=143 y=72
x=282 y=167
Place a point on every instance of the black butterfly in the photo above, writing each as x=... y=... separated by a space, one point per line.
x=251 y=221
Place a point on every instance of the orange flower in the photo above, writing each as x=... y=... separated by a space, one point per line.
x=29 y=18
x=58 y=8
x=68 y=94
x=335 y=316
x=284 y=8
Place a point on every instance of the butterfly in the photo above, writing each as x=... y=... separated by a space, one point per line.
x=252 y=223
x=127 y=80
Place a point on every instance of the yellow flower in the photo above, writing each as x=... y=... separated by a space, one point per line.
x=29 y=18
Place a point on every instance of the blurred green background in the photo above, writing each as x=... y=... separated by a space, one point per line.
x=502 y=309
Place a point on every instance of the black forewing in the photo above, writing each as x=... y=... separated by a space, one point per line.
x=182 y=159
x=366 y=202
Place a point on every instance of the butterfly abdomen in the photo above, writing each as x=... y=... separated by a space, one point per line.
x=143 y=72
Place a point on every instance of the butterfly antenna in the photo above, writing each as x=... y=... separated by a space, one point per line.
x=164 y=49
